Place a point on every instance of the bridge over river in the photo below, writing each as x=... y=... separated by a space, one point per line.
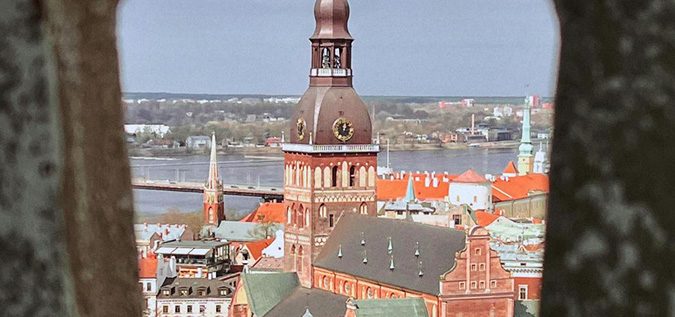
x=265 y=192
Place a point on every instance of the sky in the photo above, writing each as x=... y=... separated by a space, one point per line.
x=401 y=47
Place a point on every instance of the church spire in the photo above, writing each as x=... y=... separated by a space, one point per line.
x=525 y=154
x=213 y=179
x=214 y=204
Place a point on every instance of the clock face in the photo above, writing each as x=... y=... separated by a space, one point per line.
x=301 y=126
x=343 y=129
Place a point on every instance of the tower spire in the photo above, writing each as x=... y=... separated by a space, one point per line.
x=525 y=151
x=213 y=179
x=214 y=205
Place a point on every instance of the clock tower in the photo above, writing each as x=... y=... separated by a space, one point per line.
x=331 y=160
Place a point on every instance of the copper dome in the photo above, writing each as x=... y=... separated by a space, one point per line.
x=320 y=107
x=331 y=19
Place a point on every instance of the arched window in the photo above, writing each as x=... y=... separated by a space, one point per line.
x=317 y=177
x=334 y=178
x=363 y=177
x=307 y=218
x=210 y=213
x=323 y=211
x=352 y=176
x=288 y=215
x=326 y=177
x=337 y=63
x=369 y=293
x=371 y=176
x=363 y=209
x=299 y=259
x=300 y=216
x=325 y=58
x=294 y=220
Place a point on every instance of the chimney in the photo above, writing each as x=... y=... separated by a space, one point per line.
x=473 y=123
x=435 y=182
x=427 y=181
x=199 y=272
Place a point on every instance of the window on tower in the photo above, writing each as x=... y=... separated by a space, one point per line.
x=323 y=211
x=337 y=58
x=330 y=221
x=352 y=176
x=334 y=176
x=325 y=58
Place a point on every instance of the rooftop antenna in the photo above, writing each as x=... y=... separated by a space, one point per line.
x=365 y=257
x=391 y=263
x=417 y=249
x=363 y=238
x=390 y=248
x=420 y=273
x=340 y=252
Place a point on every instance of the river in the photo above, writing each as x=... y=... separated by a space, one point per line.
x=237 y=169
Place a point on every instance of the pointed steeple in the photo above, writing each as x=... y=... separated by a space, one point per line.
x=410 y=191
x=213 y=179
x=525 y=154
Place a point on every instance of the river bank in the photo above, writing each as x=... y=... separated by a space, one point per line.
x=273 y=151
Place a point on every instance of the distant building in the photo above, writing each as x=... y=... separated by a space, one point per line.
x=158 y=130
x=273 y=142
x=149 y=236
x=198 y=141
x=195 y=297
x=470 y=189
x=147 y=280
x=198 y=259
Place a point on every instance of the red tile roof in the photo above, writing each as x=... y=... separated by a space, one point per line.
x=484 y=219
x=147 y=267
x=256 y=248
x=388 y=189
x=470 y=176
x=518 y=187
x=267 y=212
x=510 y=168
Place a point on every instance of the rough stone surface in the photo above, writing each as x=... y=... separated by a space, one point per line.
x=34 y=278
x=610 y=249
x=98 y=204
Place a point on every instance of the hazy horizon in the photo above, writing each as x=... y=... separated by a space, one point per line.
x=410 y=49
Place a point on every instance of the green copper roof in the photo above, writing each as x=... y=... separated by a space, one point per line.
x=404 y=307
x=410 y=192
x=266 y=290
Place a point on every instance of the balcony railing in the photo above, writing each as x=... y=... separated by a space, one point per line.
x=328 y=72
x=340 y=148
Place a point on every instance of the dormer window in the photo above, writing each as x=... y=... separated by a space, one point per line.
x=184 y=292
x=202 y=291
x=223 y=291
x=166 y=292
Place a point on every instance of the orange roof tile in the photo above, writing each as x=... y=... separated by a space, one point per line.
x=510 y=168
x=484 y=219
x=470 y=176
x=388 y=189
x=267 y=212
x=518 y=187
x=256 y=248
x=147 y=267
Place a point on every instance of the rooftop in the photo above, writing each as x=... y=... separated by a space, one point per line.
x=402 y=307
x=210 y=287
x=436 y=247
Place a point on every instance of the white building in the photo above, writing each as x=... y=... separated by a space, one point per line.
x=470 y=189
x=183 y=297
x=198 y=141
x=158 y=130
x=149 y=236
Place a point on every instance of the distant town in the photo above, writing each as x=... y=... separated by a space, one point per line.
x=167 y=124
x=342 y=234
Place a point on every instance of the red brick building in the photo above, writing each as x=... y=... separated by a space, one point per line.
x=478 y=285
x=330 y=161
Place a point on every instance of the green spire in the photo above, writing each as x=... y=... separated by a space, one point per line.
x=526 y=147
x=410 y=192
